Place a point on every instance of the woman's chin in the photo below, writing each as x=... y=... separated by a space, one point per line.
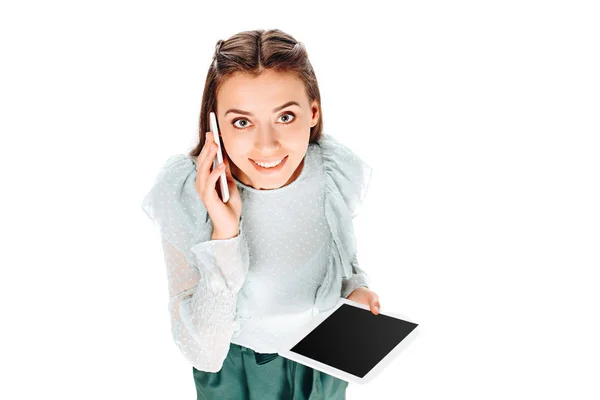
x=270 y=183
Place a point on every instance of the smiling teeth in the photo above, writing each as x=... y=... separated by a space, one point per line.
x=268 y=165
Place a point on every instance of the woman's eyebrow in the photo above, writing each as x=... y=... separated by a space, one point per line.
x=235 y=110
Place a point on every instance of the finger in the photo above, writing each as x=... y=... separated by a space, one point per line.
x=204 y=165
x=228 y=169
x=231 y=184
x=375 y=306
x=205 y=147
x=213 y=177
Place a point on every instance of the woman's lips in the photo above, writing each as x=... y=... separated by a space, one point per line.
x=269 y=170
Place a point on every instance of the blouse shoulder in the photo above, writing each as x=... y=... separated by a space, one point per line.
x=174 y=206
x=345 y=172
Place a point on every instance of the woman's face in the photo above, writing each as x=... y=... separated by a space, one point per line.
x=254 y=127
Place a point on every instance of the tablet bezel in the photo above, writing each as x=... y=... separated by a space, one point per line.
x=297 y=337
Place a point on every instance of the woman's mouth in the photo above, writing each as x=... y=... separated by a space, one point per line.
x=269 y=167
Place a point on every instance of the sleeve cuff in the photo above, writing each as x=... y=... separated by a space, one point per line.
x=356 y=281
x=228 y=259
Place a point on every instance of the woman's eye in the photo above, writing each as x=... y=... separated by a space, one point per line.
x=238 y=120
x=287 y=121
x=288 y=113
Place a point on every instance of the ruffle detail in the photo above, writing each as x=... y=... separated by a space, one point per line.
x=347 y=174
x=347 y=179
x=176 y=209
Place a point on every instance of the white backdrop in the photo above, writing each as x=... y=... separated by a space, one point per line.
x=481 y=122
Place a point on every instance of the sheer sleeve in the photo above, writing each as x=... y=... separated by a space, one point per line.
x=359 y=278
x=347 y=182
x=204 y=275
x=202 y=301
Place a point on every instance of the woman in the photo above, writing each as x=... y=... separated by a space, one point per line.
x=242 y=278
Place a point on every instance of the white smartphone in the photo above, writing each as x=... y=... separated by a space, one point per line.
x=219 y=158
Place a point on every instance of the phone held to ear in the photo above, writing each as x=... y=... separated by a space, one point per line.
x=219 y=158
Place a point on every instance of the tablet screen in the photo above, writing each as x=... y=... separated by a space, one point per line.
x=353 y=339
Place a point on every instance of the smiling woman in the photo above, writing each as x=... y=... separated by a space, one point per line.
x=243 y=279
x=266 y=147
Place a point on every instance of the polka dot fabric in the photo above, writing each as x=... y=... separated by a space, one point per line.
x=295 y=255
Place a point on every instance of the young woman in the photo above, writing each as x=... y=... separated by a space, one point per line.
x=245 y=274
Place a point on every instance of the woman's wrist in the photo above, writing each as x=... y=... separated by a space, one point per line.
x=216 y=235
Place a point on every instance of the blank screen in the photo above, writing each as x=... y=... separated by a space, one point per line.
x=353 y=340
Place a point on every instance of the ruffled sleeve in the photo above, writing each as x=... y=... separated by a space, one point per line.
x=204 y=275
x=348 y=175
x=175 y=207
x=347 y=179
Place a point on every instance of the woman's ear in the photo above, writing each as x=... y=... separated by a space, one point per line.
x=315 y=114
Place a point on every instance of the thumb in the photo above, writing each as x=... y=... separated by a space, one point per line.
x=227 y=169
x=375 y=307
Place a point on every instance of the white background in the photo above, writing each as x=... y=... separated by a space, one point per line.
x=480 y=119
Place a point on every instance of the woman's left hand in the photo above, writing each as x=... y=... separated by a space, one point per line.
x=367 y=297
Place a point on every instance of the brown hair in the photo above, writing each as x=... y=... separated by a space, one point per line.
x=253 y=52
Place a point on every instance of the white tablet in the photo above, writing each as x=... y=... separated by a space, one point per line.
x=350 y=342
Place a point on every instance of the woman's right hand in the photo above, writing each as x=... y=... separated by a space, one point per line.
x=225 y=217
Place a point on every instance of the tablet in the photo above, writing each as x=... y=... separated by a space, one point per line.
x=350 y=342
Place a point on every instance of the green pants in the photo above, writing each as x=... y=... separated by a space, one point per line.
x=247 y=375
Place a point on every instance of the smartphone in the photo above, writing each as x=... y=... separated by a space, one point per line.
x=219 y=158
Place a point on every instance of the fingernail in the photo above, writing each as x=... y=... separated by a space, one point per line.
x=376 y=308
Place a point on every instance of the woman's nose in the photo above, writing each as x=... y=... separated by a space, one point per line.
x=267 y=142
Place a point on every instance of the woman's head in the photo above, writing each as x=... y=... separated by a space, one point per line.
x=254 y=73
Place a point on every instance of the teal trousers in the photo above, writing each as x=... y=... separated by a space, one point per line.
x=247 y=375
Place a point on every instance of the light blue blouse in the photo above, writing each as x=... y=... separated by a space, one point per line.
x=295 y=255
